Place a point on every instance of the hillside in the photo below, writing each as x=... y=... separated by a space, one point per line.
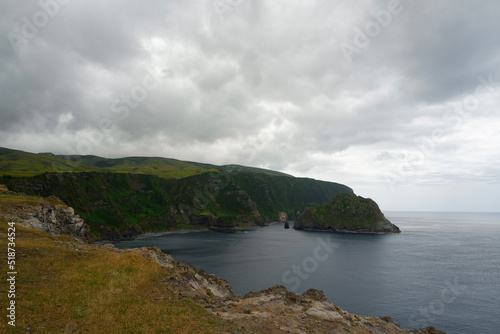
x=19 y=163
x=346 y=213
x=117 y=203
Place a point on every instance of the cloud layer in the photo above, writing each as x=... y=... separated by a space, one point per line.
x=398 y=99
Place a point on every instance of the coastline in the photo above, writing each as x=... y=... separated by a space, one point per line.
x=181 y=231
x=157 y=234
x=273 y=310
x=343 y=231
x=150 y=235
x=239 y=229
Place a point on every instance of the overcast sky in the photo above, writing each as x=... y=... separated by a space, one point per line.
x=397 y=99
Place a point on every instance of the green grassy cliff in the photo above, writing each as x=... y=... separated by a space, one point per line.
x=346 y=213
x=120 y=198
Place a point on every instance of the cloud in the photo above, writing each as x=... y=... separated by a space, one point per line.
x=261 y=83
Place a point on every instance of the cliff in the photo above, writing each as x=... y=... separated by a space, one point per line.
x=122 y=205
x=346 y=213
x=121 y=198
x=68 y=285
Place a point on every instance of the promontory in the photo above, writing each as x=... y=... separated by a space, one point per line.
x=346 y=213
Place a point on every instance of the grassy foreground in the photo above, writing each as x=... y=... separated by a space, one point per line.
x=67 y=287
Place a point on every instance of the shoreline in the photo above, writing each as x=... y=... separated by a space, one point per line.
x=271 y=310
x=181 y=231
x=158 y=234
x=342 y=231
x=238 y=230
x=150 y=235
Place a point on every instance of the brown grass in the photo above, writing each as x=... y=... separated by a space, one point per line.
x=67 y=287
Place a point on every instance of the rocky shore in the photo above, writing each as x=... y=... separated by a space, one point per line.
x=275 y=310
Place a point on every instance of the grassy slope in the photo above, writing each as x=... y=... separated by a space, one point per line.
x=93 y=290
x=19 y=163
x=345 y=211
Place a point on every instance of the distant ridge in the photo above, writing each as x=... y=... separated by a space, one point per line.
x=20 y=163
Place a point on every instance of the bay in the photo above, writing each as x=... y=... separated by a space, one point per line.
x=442 y=271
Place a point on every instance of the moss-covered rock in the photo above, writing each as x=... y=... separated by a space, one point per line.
x=346 y=213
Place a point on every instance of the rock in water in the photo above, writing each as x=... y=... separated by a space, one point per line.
x=346 y=213
x=287 y=225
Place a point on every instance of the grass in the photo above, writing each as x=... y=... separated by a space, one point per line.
x=345 y=211
x=13 y=198
x=93 y=290
x=17 y=163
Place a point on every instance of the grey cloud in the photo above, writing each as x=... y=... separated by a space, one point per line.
x=441 y=46
x=266 y=84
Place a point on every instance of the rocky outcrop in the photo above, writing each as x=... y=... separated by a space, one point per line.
x=48 y=214
x=274 y=310
x=282 y=216
x=346 y=213
x=185 y=279
x=277 y=310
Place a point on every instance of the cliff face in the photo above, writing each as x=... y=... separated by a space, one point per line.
x=122 y=205
x=121 y=198
x=346 y=213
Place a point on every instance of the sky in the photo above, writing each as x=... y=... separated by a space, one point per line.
x=397 y=99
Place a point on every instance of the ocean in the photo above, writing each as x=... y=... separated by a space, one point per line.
x=443 y=270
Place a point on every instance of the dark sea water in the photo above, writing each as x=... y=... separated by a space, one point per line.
x=442 y=271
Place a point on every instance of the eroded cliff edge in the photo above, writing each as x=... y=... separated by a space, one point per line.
x=346 y=213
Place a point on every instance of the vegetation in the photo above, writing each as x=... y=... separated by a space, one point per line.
x=119 y=198
x=65 y=287
x=346 y=212
x=19 y=163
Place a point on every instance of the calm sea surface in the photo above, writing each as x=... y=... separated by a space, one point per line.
x=442 y=271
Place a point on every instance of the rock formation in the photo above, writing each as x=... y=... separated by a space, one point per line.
x=282 y=216
x=48 y=214
x=346 y=213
